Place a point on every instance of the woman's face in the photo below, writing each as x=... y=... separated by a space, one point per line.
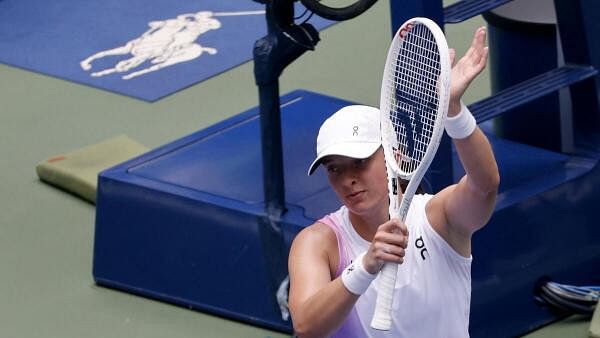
x=361 y=184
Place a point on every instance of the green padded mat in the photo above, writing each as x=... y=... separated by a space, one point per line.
x=77 y=171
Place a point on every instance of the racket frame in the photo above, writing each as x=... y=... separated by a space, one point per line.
x=382 y=318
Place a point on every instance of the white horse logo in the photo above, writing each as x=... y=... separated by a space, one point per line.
x=166 y=43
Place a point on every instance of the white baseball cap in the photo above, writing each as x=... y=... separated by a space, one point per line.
x=352 y=131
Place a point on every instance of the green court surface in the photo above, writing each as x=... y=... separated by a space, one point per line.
x=46 y=240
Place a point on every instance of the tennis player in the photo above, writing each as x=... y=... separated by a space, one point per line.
x=333 y=263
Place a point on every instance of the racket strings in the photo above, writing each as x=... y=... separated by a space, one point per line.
x=413 y=97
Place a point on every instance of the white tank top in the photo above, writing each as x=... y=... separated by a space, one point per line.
x=433 y=287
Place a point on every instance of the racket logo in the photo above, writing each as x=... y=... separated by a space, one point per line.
x=410 y=105
x=408 y=128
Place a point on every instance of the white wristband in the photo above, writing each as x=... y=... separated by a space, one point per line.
x=355 y=278
x=461 y=125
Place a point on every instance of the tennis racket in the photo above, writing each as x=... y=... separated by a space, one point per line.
x=413 y=104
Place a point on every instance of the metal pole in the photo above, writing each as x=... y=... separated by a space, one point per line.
x=272 y=152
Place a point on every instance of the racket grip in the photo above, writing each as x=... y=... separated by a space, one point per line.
x=382 y=318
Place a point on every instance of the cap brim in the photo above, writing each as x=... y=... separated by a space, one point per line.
x=353 y=150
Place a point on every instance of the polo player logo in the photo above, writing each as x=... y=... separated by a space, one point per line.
x=165 y=43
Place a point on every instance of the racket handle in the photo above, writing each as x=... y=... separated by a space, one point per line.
x=382 y=318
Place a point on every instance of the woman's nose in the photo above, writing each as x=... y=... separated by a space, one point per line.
x=351 y=177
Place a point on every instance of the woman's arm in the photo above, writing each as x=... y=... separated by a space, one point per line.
x=459 y=210
x=318 y=304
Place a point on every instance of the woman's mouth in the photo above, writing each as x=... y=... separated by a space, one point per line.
x=355 y=194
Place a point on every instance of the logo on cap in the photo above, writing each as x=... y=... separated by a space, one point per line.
x=355 y=131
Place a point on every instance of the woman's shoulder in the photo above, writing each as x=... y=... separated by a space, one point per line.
x=318 y=241
x=317 y=234
x=323 y=231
